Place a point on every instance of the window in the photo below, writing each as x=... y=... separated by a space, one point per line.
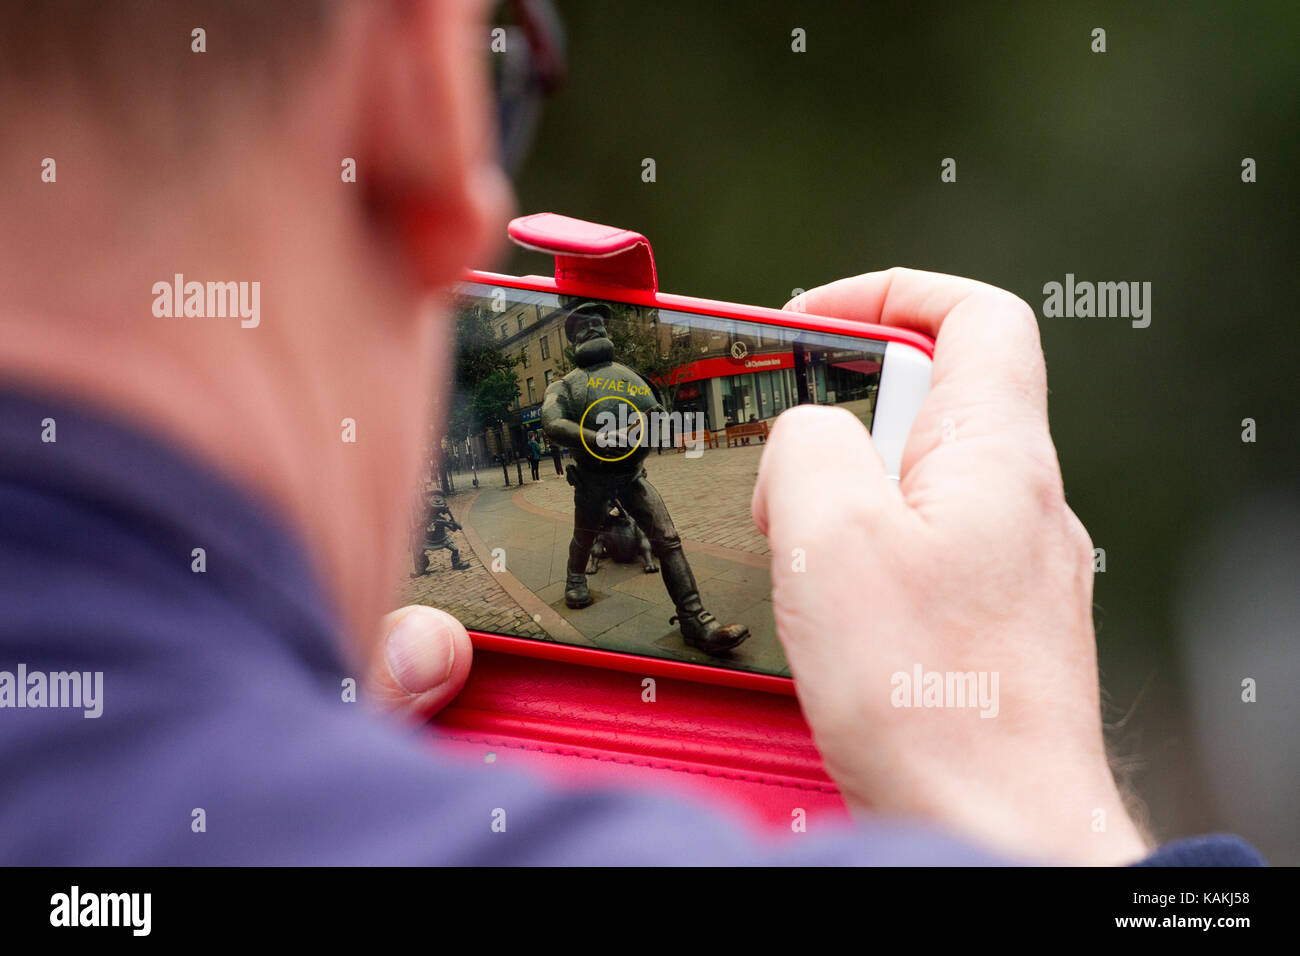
x=781 y=385
x=523 y=356
x=521 y=323
x=744 y=397
x=728 y=402
x=532 y=392
x=550 y=374
x=765 y=395
x=546 y=349
x=503 y=330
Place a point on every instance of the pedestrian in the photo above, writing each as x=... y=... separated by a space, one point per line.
x=534 y=455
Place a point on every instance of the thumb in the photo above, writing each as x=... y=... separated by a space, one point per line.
x=422 y=661
x=824 y=503
x=818 y=467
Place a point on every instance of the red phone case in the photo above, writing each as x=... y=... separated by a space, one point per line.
x=577 y=714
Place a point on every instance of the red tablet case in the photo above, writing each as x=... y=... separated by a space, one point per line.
x=582 y=715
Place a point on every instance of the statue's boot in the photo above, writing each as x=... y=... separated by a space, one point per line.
x=700 y=629
x=576 y=594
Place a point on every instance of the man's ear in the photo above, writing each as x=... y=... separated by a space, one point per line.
x=429 y=155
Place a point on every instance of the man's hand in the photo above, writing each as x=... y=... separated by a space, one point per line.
x=421 y=662
x=972 y=563
x=630 y=434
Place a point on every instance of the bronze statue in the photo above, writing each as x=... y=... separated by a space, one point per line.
x=602 y=474
x=431 y=534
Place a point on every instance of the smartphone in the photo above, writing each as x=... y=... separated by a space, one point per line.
x=591 y=494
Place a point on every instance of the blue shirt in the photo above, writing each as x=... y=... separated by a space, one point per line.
x=221 y=693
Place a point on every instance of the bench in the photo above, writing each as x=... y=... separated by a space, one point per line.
x=699 y=437
x=745 y=431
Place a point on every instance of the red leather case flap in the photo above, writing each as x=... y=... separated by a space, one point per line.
x=588 y=252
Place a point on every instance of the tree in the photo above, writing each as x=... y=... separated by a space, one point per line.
x=486 y=386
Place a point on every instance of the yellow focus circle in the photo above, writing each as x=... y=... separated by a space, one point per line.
x=582 y=424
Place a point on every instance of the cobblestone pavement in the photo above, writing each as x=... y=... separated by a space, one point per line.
x=708 y=498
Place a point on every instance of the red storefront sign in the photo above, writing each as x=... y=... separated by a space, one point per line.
x=718 y=367
x=723 y=366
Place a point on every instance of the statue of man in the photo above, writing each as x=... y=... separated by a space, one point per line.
x=602 y=472
x=431 y=534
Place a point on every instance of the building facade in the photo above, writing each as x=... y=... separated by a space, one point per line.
x=724 y=372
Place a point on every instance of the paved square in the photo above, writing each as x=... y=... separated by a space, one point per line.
x=519 y=590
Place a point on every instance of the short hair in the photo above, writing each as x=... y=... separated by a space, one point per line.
x=115 y=55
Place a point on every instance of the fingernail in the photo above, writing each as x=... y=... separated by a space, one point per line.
x=420 y=653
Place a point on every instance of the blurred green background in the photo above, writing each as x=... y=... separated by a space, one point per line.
x=778 y=170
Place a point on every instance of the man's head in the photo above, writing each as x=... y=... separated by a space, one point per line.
x=338 y=154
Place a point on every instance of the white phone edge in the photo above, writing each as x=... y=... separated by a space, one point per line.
x=904 y=383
